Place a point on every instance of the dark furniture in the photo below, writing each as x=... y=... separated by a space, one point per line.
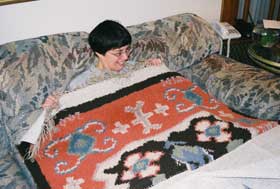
x=268 y=58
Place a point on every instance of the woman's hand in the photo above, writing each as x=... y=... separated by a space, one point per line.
x=153 y=62
x=52 y=101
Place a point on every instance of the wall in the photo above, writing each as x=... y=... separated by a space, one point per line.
x=32 y=19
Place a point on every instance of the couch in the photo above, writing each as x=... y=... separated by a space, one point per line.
x=31 y=69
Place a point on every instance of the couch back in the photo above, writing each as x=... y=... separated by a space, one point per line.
x=182 y=40
x=31 y=69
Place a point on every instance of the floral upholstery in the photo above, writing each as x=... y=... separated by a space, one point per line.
x=30 y=70
x=149 y=47
x=186 y=38
x=249 y=90
x=14 y=175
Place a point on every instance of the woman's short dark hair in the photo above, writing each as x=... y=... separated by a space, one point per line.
x=108 y=35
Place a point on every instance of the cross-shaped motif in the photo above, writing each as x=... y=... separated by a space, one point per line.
x=120 y=128
x=142 y=118
x=161 y=109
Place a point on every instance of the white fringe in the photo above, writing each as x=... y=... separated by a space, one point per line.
x=46 y=133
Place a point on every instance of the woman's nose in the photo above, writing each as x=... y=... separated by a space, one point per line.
x=124 y=56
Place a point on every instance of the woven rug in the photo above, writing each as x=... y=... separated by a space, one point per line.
x=139 y=135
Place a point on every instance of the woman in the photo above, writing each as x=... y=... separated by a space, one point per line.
x=110 y=42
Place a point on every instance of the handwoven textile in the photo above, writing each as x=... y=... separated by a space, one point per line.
x=139 y=135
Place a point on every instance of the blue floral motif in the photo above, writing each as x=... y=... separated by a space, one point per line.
x=213 y=131
x=193 y=156
x=140 y=165
x=80 y=144
x=193 y=97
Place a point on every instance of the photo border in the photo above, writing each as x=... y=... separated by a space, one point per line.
x=7 y=2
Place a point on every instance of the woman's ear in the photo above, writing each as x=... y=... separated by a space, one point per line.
x=98 y=54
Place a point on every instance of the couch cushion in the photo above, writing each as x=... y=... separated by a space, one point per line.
x=199 y=73
x=186 y=38
x=12 y=175
x=31 y=69
x=247 y=89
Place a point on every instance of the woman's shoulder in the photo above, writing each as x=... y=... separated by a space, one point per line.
x=94 y=75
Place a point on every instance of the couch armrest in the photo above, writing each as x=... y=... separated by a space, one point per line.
x=246 y=89
x=31 y=69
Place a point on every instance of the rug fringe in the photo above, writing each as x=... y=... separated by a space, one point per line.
x=46 y=133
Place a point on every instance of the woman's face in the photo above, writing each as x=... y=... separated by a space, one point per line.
x=115 y=59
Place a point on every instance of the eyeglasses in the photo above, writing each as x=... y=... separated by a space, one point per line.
x=118 y=53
